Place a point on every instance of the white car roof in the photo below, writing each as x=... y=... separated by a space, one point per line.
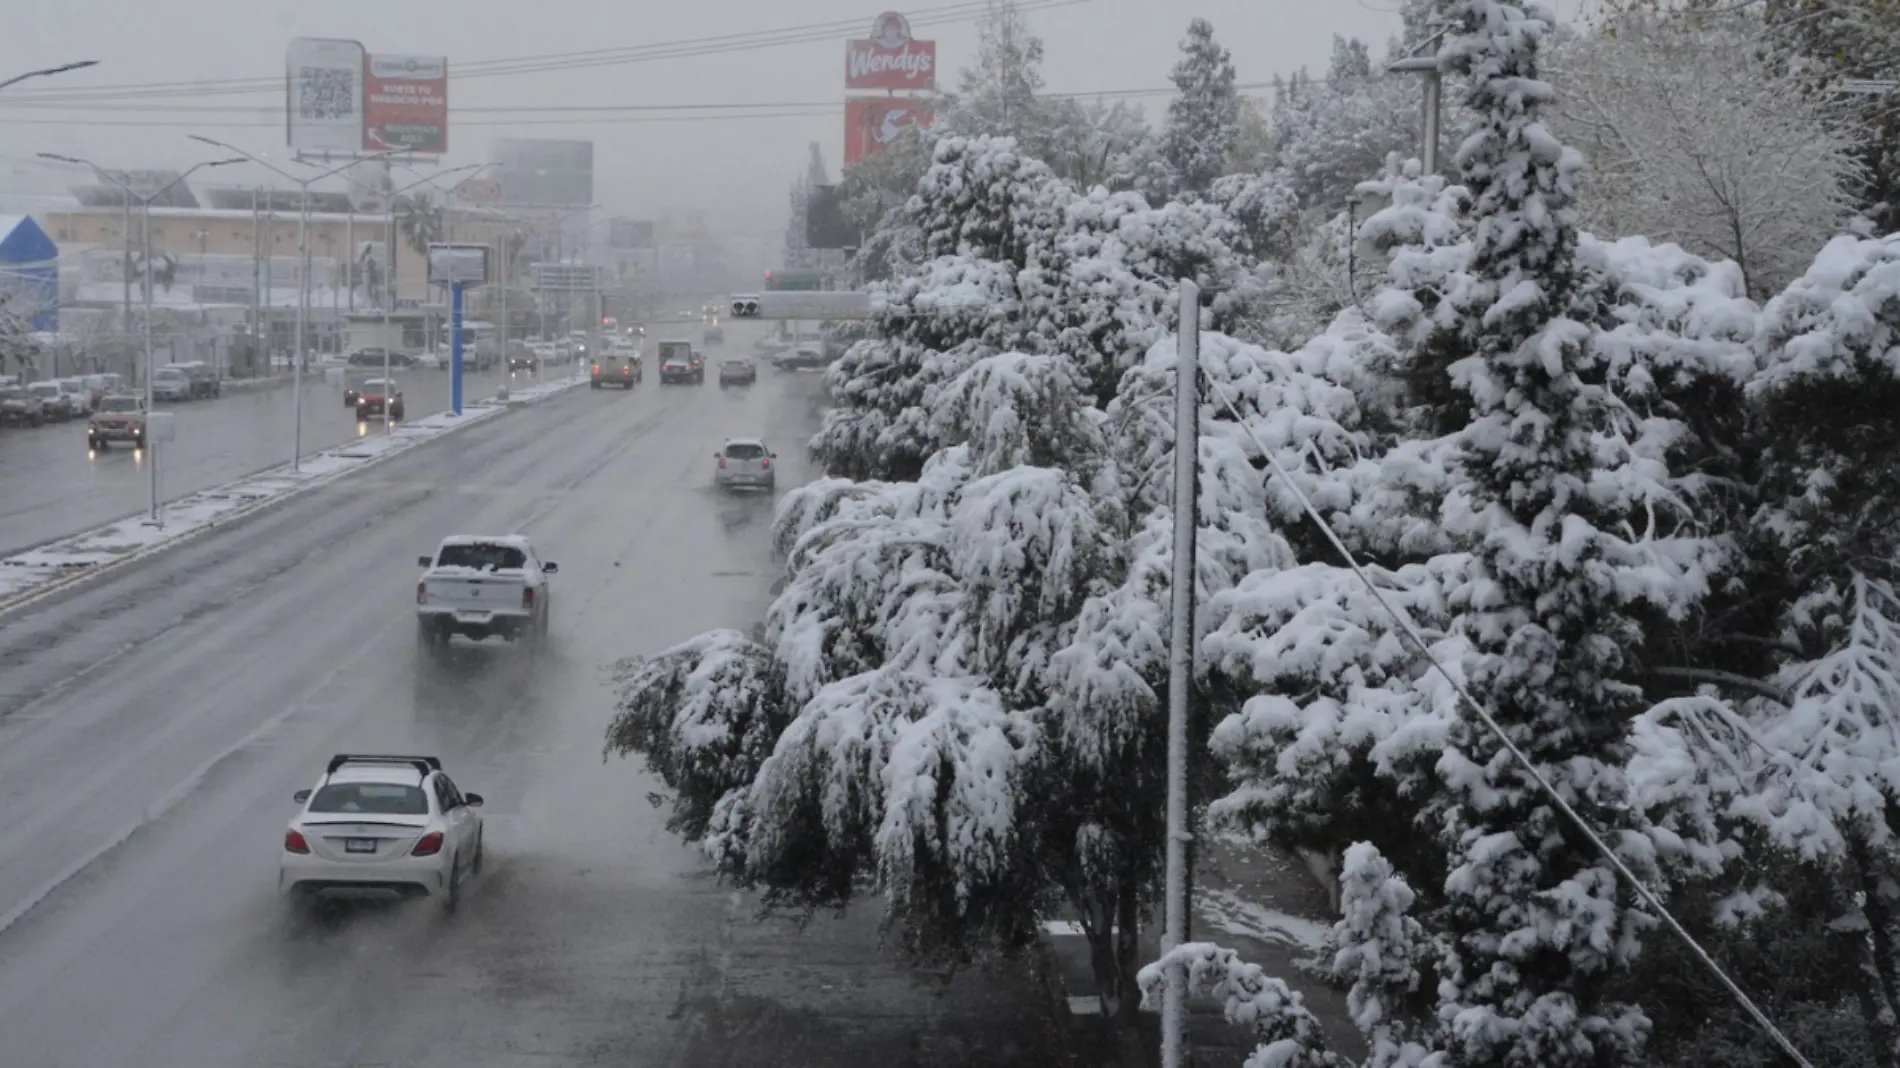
x=393 y=773
x=746 y=441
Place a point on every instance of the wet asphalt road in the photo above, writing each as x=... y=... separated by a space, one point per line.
x=153 y=727
x=50 y=486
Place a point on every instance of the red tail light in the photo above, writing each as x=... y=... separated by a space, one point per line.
x=294 y=843
x=766 y=463
x=428 y=845
x=596 y=368
x=527 y=597
x=422 y=593
x=722 y=463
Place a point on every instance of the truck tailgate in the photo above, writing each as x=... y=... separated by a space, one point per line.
x=475 y=594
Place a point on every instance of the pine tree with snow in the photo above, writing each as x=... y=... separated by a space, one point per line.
x=1204 y=119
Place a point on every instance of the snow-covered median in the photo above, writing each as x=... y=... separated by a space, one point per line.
x=27 y=575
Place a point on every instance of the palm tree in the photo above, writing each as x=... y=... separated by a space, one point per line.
x=421 y=220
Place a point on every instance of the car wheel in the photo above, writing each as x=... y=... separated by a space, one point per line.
x=99 y=446
x=452 y=897
x=594 y=385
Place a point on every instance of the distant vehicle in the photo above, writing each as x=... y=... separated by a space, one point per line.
x=384 y=825
x=681 y=368
x=171 y=384
x=78 y=397
x=481 y=586
x=20 y=406
x=119 y=418
x=377 y=395
x=737 y=372
x=205 y=380
x=58 y=404
x=618 y=369
x=103 y=385
x=745 y=463
x=801 y=357
x=523 y=357
x=373 y=357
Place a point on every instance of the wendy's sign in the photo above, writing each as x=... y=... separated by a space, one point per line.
x=890 y=58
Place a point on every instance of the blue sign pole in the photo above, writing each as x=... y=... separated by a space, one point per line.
x=455 y=348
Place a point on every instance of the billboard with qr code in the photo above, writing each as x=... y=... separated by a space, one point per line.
x=323 y=95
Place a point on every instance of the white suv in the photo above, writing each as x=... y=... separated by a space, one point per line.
x=745 y=462
x=382 y=824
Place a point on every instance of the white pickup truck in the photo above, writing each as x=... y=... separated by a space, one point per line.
x=479 y=586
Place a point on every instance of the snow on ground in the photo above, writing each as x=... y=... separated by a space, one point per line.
x=31 y=571
x=1232 y=914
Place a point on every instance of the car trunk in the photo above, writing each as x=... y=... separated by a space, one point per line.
x=363 y=840
x=476 y=595
x=747 y=463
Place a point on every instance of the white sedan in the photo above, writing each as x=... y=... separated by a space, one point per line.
x=383 y=825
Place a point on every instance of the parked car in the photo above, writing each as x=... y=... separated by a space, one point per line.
x=373 y=357
x=20 y=406
x=103 y=386
x=171 y=384
x=78 y=397
x=120 y=418
x=58 y=405
x=205 y=380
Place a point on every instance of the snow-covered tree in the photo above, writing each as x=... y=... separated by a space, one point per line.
x=1330 y=134
x=19 y=355
x=998 y=94
x=1695 y=136
x=1204 y=118
x=1831 y=44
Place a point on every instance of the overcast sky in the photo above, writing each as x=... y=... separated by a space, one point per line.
x=739 y=167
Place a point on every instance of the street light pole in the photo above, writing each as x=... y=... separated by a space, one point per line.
x=389 y=424
x=145 y=215
x=1432 y=110
x=303 y=270
x=81 y=65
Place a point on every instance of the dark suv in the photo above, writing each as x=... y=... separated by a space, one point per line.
x=205 y=379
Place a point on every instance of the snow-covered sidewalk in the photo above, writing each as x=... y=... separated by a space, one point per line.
x=29 y=575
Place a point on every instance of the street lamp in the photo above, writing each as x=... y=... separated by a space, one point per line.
x=145 y=213
x=303 y=271
x=1426 y=64
x=50 y=70
x=389 y=425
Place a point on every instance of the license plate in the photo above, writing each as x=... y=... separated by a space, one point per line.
x=359 y=845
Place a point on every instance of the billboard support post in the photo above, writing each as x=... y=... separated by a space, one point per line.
x=455 y=346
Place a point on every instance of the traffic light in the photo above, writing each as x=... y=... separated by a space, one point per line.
x=745 y=306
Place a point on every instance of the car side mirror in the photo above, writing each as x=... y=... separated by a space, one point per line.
x=719 y=456
x=425 y=561
x=472 y=800
x=772 y=455
x=550 y=567
x=300 y=796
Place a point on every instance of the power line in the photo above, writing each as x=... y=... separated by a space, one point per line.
x=967 y=11
x=764 y=107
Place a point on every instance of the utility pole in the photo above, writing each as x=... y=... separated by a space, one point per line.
x=258 y=349
x=303 y=272
x=1432 y=110
x=1187 y=443
x=125 y=316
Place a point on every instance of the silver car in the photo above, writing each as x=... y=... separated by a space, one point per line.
x=745 y=463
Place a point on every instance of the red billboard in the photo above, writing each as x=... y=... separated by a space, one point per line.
x=406 y=104
x=890 y=58
x=871 y=123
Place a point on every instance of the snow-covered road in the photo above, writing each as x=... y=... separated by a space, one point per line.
x=153 y=726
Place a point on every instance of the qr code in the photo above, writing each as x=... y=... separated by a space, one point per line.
x=326 y=93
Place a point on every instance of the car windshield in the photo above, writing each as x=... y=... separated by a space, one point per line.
x=737 y=365
x=371 y=799
x=485 y=556
x=119 y=404
x=744 y=450
x=46 y=389
x=170 y=374
x=13 y=394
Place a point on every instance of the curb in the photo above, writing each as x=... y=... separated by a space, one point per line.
x=83 y=570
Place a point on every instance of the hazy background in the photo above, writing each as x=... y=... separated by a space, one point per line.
x=645 y=163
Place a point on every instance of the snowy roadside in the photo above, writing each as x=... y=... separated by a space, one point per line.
x=27 y=576
x=1256 y=901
